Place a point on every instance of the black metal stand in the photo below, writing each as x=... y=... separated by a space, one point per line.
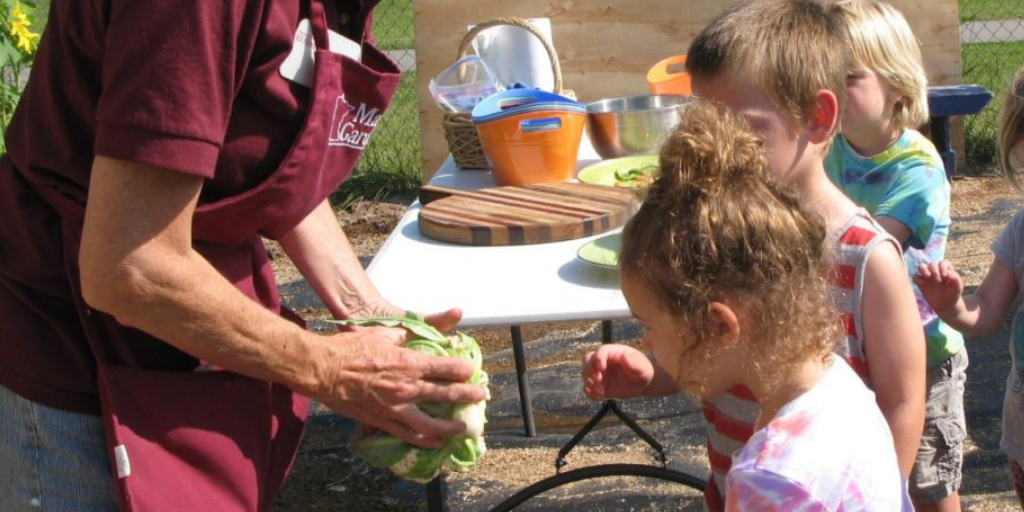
x=603 y=470
x=437 y=495
x=524 y=382
x=609 y=405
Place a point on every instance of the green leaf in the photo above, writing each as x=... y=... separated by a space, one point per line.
x=459 y=452
x=380 y=450
x=413 y=324
x=463 y=453
x=9 y=54
x=427 y=466
x=427 y=347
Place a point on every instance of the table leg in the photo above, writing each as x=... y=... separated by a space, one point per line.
x=941 y=139
x=607 y=336
x=436 y=492
x=524 y=383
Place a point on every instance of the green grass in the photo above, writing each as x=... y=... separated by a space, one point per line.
x=392 y=161
x=990 y=65
x=975 y=10
x=392 y=24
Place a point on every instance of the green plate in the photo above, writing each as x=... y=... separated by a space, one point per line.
x=603 y=252
x=603 y=172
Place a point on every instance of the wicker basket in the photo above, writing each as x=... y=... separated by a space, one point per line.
x=463 y=142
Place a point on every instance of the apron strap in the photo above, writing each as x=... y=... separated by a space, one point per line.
x=318 y=18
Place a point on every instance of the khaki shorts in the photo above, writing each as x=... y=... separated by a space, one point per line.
x=936 y=474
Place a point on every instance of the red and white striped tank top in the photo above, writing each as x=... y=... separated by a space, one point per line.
x=730 y=417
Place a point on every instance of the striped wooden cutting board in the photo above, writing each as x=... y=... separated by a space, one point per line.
x=526 y=214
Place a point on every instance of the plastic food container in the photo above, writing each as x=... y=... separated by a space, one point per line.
x=669 y=76
x=530 y=136
x=463 y=85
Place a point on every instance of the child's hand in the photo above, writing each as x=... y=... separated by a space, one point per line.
x=940 y=285
x=616 y=371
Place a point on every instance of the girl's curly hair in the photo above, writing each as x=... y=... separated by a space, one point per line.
x=716 y=226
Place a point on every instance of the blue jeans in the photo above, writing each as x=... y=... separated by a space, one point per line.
x=52 y=460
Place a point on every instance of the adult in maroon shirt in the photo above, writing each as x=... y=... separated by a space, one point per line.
x=155 y=144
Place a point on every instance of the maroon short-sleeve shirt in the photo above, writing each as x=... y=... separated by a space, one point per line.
x=187 y=85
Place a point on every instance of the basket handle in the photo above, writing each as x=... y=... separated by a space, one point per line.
x=467 y=41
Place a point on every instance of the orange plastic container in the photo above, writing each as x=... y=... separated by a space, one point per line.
x=668 y=77
x=533 y=147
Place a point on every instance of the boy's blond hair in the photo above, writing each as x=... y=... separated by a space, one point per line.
x=790 y=48
x=881 y=40
x=1011 y=127
x=716 y=226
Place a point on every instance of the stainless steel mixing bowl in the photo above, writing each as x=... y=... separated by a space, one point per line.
x=633 y=125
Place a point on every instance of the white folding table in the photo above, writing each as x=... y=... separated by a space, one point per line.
x=496 y=286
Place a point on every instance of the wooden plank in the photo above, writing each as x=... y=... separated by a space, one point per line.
x=529 y=214
x=605 y=48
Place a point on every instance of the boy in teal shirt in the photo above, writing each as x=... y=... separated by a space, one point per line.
x=894 y=172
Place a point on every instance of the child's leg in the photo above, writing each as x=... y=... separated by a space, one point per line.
x=1018 y=481
x=935 y=479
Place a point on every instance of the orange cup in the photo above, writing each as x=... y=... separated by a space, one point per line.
x=668 y=77
x=539 y=146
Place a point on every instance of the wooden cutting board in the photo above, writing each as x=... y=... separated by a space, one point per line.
x=526 y=214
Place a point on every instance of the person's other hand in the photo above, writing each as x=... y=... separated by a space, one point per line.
x=940 y=285
x=444 y=321
x=616 y=371
x=377 y=309
x=372 y=380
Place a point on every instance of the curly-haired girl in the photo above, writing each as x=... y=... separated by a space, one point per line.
x=726 y=270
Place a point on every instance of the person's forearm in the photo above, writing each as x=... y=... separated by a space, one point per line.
x=663 y=384
x=972 y=315
x=322 y=253
x=137 y=263
x=181 y=299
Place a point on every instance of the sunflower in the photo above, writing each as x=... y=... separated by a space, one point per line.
x=18 y=26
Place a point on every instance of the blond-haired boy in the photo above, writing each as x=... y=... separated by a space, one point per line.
x=884 y=165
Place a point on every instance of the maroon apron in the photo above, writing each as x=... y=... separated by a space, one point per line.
x=216 y=440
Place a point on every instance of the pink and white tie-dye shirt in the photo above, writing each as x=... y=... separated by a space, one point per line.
x=828 y=450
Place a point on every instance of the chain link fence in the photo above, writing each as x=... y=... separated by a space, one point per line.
x=392 y=159
x=992 y=49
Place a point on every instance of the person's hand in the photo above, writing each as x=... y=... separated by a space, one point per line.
x=374 y=381
x=444 y=321
x=376 y=309
x=616 y=371
x=940 y=285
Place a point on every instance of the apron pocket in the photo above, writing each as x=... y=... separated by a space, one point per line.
x=187 y=440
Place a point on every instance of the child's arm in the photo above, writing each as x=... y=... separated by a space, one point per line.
x=897 y=229
x=618 y=371
x=982 y=312
x=895 y=348
x=916 y=202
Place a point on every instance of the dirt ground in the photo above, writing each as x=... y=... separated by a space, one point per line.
x=326 y=478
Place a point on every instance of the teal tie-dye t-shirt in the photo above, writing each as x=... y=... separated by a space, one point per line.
x=907 y=183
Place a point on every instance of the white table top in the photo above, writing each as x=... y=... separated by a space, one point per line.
x=494 y=286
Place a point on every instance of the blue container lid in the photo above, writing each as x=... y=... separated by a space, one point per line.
x=513 y=102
